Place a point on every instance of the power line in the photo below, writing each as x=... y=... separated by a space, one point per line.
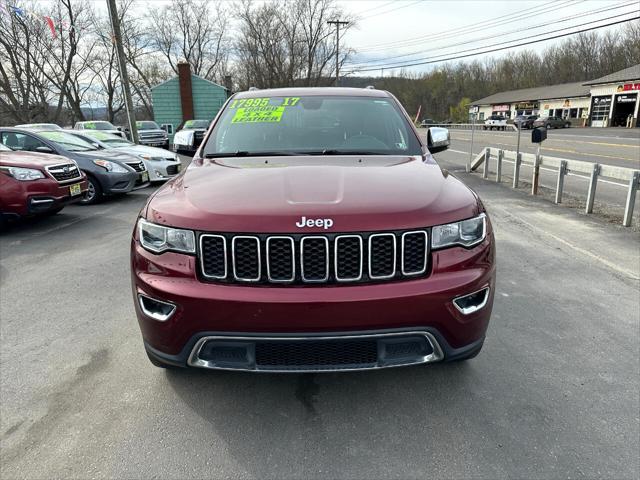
x=456 y=57
x=538 y=9
x=389 y=11
x=475 y=40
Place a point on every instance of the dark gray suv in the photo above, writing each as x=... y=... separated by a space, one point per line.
x=107 y=172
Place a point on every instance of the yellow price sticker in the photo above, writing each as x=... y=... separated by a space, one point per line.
x=258 y=115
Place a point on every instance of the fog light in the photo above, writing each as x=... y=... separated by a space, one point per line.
x=156 y=309
x=473 y=302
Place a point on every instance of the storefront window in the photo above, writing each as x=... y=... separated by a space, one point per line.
x=600 y=108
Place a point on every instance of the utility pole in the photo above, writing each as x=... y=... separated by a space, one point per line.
x=124 y=77
x=337 y=23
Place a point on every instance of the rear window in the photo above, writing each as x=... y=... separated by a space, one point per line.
x=313 y=125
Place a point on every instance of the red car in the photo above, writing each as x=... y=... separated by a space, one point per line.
x=37 y=183
x=313 y=231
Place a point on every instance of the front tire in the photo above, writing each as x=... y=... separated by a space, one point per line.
x=94 y=192
x=567 y=125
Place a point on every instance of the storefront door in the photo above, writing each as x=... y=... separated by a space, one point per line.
x=623 y=107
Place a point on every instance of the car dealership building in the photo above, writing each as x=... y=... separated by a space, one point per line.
x=609 y=101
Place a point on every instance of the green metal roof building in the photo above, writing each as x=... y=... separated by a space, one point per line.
x=186 y=97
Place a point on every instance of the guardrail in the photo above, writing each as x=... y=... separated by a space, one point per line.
x=563 y=166
x=466 y=126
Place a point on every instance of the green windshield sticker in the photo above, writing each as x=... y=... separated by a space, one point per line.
x=258 y=115
x=90 y=125
x=261 y=110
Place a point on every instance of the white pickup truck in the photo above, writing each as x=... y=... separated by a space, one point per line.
x=495 y=121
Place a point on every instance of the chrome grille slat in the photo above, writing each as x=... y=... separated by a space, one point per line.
x=346 y=257
x=314 y=259
x=243 y=252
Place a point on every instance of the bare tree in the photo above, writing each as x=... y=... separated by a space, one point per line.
x=195 y=31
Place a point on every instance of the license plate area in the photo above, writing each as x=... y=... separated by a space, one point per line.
x=75 y=189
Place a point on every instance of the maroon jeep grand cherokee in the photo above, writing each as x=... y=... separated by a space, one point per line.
x=313 y=231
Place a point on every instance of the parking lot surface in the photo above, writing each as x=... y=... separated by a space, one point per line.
x=553 y=394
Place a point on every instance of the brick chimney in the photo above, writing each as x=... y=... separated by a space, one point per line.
x=186 y=95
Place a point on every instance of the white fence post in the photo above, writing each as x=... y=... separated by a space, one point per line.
x=562 y=171
x=499 y=166
x=487 y=156
x=631 y=199
x=593 y=183
x=516 y=169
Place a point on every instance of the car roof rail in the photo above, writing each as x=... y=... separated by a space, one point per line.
x=370 y=87
x=251 y=89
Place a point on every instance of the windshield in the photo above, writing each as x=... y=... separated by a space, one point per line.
x=110 y=139
x=196 y=124
x=313 y=125
x=147 y=126
x=69 y=142
x=99 y=126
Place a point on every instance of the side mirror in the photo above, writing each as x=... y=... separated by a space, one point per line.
x=44 y=149
x=437 y=139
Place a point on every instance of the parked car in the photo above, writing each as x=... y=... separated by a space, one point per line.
x=107 y=172
x=37 y=184
x=40 y=126
x=160 y=164
x=313 y=231
x=150 y=134
x=103 y=126
x=525 y=122
x=497 y=122
x=189 y=136
x=552 y=122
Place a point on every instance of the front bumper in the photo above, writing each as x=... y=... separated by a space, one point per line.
x=162 y=170
x=421 y=305
x=114 y=183
x=39 y=196
x=155 y=142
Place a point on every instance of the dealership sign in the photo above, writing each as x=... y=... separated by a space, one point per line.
x=500 y=108
x=628 y=86
x=626 y=98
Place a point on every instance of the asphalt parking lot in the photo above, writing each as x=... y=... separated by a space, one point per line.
x=554 y=393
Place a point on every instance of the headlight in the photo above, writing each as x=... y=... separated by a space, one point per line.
x=158 y=239
x=149 y=157
x=111 y=166
x=24 y=174
x=465 y=233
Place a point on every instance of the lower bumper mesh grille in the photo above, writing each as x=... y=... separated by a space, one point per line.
x=315 y=354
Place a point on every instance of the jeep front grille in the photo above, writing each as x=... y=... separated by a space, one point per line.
x=314 y=259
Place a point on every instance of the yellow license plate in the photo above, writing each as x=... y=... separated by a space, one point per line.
x=75 y=190
x=145 y=177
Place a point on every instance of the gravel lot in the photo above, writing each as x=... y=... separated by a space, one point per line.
x=554 y=393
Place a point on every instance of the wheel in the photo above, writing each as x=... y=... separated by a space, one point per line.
x=159 y=364
x=567 y=125
x=166 y=145
x=484 y=128
x=547 y=126
x=94 y=192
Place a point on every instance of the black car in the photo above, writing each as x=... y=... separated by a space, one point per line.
x=107 y=172
x=525 y=121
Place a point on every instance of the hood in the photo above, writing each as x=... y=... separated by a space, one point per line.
x=143 y=150
x=31 y=159
x=108 y=154
x=272 y=194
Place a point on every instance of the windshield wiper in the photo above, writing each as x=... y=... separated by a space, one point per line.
x=244 y=153
x=333 y=151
